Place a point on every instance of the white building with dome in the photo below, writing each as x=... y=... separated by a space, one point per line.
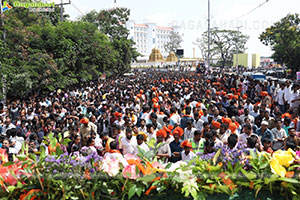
x=148 y=36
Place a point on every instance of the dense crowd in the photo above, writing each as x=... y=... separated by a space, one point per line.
x=186 y=114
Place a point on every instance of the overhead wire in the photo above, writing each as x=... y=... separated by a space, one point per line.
x=77 y=8
x=249 y=12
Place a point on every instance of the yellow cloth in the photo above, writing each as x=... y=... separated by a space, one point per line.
x=107 y=146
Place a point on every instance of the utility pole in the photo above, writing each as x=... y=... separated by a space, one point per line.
x=62 y=9
x=208 y=32
x=237 y=53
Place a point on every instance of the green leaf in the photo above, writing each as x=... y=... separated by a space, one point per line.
x=59 y=151
x=216 y=156
x=147 y=178
x=264 y=165
x=194 y=193
x=22 y=157
x=229 y=166
x=11 y=188
x=289 y=180
x=9 y=163
x=237 y=168
x=43 y=150
x=131 y=192
x=138 y=191
x=32 y=156
x=151 y=143
x=66 y=141
x=257 y=188
x=249 y=175
x=253 y=154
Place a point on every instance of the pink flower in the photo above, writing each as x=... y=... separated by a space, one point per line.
x=130 y=172
x=111 y=166
x=10 y=179
x=297 y=158
x=157 y=165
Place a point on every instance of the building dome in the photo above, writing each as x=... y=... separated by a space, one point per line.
x=155 y=55
x=172 y=57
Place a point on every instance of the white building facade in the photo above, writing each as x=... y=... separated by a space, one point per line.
x=148 y=36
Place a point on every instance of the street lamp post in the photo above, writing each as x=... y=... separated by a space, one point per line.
x=237 y=52
x=208 y=32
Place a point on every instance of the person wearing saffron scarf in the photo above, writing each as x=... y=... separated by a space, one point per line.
x=164 y=151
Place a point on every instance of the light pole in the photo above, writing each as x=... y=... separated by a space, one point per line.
x=237 y=51
x=208 y=32
x=62 y=9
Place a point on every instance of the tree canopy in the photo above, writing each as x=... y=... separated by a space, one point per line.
x=174 y=42
x=223 y=44
x=42 y=54
x=284 y=39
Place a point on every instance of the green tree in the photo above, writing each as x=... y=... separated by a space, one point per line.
x=174 y=42
x=125 y=55
x=112 y=22
x=80 y=52
x=224 y=43
x=42 y=54
x=39 y=55
x=91 y=17
x=284 y=39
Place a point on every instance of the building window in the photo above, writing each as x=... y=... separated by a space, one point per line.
x=153 y=40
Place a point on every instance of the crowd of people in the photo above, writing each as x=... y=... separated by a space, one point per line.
x=184 y=114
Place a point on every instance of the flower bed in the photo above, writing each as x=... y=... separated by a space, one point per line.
x=222 y=175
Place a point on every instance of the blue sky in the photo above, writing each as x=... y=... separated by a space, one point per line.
x=191 y=15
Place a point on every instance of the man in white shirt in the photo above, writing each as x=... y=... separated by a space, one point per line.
x=198 y=123
x=280 y=98
x=294 y=100
x=141 y=144
x=128 y=143
x=151 y=134
x=288 y=91
x=8 y=125
x=248 y=105
x=278 y=132
x=187 y=155
x=16 y=141
x=204 y=117
x=224 y=133
x=247 y=133
x=174 y=118
x=142 y=127
x=189 y=131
